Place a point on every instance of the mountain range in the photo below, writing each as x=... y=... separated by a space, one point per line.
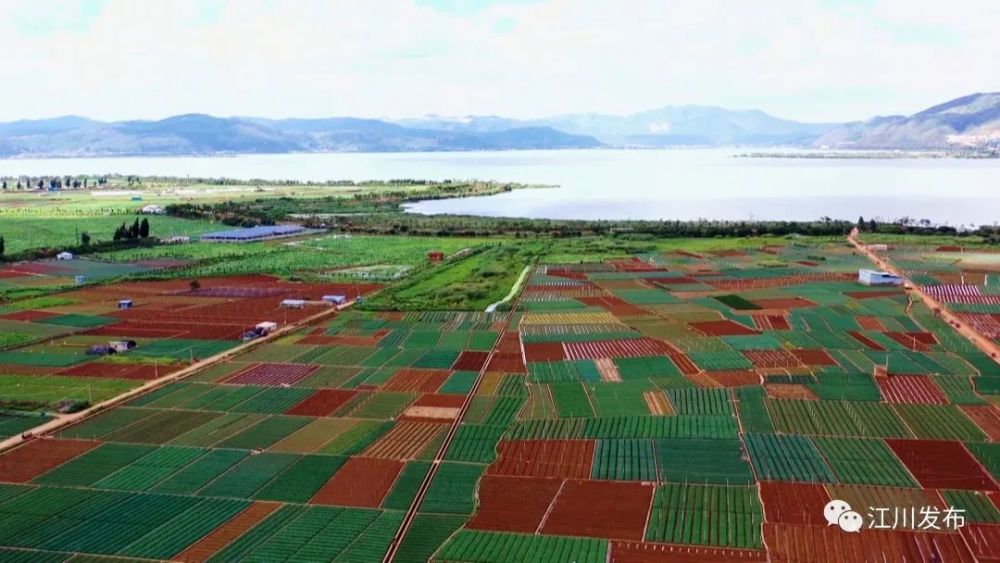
x=971 y=121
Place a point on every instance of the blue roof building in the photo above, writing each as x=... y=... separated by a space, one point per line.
x=254 y=233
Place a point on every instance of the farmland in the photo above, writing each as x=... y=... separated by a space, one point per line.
x=641 y=401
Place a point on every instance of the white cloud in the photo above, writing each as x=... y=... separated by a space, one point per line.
x=806 y=60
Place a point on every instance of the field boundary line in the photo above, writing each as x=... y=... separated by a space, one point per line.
x=411 y=512
x=60 y=422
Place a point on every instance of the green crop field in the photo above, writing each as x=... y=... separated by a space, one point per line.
x=701 y=398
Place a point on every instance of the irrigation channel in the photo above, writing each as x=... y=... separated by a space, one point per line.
x=514 y=290
x=66 y=420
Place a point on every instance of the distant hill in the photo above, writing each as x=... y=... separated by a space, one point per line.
x=668 y=126
x=203 y=134
x=969 y=121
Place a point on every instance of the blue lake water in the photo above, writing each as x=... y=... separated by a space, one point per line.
x=620 y=184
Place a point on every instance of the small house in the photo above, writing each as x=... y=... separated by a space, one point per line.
x=293 y=303
x=335 y=299
x=125 y=304
x=122 y=345
x=266 y=327
x=100 y=350
x=64 y=255
x=874 y=277
x=435 y=256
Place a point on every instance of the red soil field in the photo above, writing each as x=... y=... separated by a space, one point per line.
x=507 y=362
x=809 y=263
x=794 y=503
x=322 y=403
x=721 y=328
x=272 y=374
x=414 y=379
x=912 y=340
x=470 y=361
x=684 y=363
x=513 y=504
x=942 y=464
x=206 y=547
x=634 y=264
x=28 y=316
x=621 y=348
x=614 y=305
x=734 y=378
x=544 y=351
x=784 y=303
x=814 y=357
x=138 y=330
x=544 y=458
x=144 y=372
x=767 y=321
x=830 y=544
x=910 y=390
x=603 y=509
x=435 y=400
x=642 y=552
x=355 y=340
x=360 y=482
x=986 y=417
x=667 y=283
x=868 y=342
x=565 y=273
x=771 y=358
x=870 y=323
x=983 y=540
x=38 y=456
x=509 y=342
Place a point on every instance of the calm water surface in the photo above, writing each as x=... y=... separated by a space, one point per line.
x=617 y=184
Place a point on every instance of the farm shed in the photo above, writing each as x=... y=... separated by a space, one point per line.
x=335 y=299
x=293 y=303
x=125 y=304
x=878 y=247
x=253 y=233
x=152 y=209
x=874 y=277
x=267 y=327
x=64 y=256
x=80 y=280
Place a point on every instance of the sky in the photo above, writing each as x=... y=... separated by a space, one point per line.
x=811 y=60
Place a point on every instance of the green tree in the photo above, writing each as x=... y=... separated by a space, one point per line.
x=85 y=238
x=3 y=245
x=144 y=228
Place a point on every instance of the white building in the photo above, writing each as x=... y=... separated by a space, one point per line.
x=152 y=210
x=64 y=255
x=874 y=277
